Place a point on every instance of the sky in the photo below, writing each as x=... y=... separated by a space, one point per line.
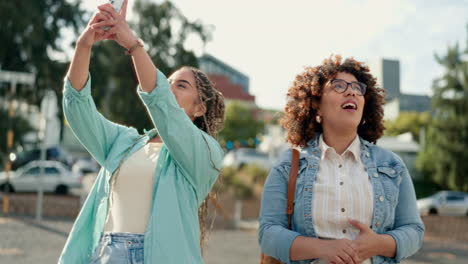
x=271 y=41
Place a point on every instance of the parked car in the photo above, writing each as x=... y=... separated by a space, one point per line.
x=57 y=178
x=239 y=157
x=21 y=158
x=85 y=166
x=450 y=203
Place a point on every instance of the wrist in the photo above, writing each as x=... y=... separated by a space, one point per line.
x=384 y=245
x=136 y=45
x=80 y=44
x=320 y=246
x=130 y=40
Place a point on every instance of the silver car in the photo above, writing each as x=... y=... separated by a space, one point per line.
x=450 y=203
x=57 y=178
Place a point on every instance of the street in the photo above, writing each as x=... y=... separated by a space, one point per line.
x=23 y=241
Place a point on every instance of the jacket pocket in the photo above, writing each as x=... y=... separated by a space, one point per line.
x=390 y=179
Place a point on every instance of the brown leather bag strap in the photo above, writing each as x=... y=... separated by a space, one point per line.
x=292 y=185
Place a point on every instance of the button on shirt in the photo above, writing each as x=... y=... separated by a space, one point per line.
x=342 y=191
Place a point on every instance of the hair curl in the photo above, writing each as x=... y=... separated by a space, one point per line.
x=305 y=94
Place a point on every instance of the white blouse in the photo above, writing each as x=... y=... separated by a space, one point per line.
x=131 y=191
x=342 y=191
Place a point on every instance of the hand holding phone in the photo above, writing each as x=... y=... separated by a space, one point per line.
x=117 y=5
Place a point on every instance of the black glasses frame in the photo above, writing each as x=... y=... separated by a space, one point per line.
x=361 y=85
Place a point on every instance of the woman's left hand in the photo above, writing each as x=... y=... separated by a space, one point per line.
x=367 y=243
x=119 y=29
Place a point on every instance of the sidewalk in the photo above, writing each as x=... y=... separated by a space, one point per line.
x=23 y=241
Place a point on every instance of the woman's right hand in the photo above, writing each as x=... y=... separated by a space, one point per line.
x=90 y=35
x=339 y=252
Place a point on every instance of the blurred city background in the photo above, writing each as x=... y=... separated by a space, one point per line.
x=251 y=50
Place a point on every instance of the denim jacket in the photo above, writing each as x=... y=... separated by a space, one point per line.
x=395 y=212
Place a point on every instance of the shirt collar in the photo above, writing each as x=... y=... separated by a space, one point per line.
x=354 y=148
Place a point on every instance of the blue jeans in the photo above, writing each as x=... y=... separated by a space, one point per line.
x=119 y=248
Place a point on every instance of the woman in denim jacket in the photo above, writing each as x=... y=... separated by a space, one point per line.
x=149 y=199
x=354 y=202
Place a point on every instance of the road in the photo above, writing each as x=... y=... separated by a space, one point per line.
x=24 y=241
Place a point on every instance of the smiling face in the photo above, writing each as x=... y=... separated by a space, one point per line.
x=184 y=87
x=341 y=111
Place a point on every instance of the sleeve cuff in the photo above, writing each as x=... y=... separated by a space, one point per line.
x=70 y=91
x=288 y=240
x=161 y=90
x=398 y=254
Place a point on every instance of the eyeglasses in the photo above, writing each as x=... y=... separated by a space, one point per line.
x=341 y=86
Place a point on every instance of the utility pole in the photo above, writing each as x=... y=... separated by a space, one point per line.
x=13 y=78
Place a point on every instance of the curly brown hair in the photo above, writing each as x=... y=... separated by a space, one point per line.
x=305 y=94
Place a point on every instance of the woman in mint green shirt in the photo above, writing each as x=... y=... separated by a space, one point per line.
x=187 y=113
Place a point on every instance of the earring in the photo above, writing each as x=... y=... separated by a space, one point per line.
x=318 y=119
x=363 y=122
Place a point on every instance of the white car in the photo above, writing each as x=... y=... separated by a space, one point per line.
x=57 y=178
x=239 y=157
x=450 y=203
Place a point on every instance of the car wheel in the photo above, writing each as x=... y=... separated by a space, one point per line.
x=432 y=211
x=3 y=188
x=61 y=189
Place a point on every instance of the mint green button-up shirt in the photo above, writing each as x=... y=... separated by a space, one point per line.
x=183 y=176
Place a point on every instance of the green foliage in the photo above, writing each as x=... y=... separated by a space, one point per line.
x=31 y=32
x=425 y=188
x=408 y=122
x=243 y=183
x=445 y=157
x=240 y=123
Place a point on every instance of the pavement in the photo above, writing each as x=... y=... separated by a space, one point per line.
x=25 y=241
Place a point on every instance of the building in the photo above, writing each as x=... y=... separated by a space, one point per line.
x=233 y=84
x=214 y=66
x=388 y=77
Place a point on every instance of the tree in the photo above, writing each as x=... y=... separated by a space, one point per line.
x=164 y=30
x=445 y=156
x=240 y=123
x=31 y=32
x=408 y=122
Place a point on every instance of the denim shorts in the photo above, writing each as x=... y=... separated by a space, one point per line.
x=119 y=248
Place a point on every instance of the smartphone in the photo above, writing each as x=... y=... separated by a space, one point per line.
x=117 y=4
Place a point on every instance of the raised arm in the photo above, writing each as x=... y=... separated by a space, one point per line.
x=95 y=132
x=122 y=34
x=196 y=153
